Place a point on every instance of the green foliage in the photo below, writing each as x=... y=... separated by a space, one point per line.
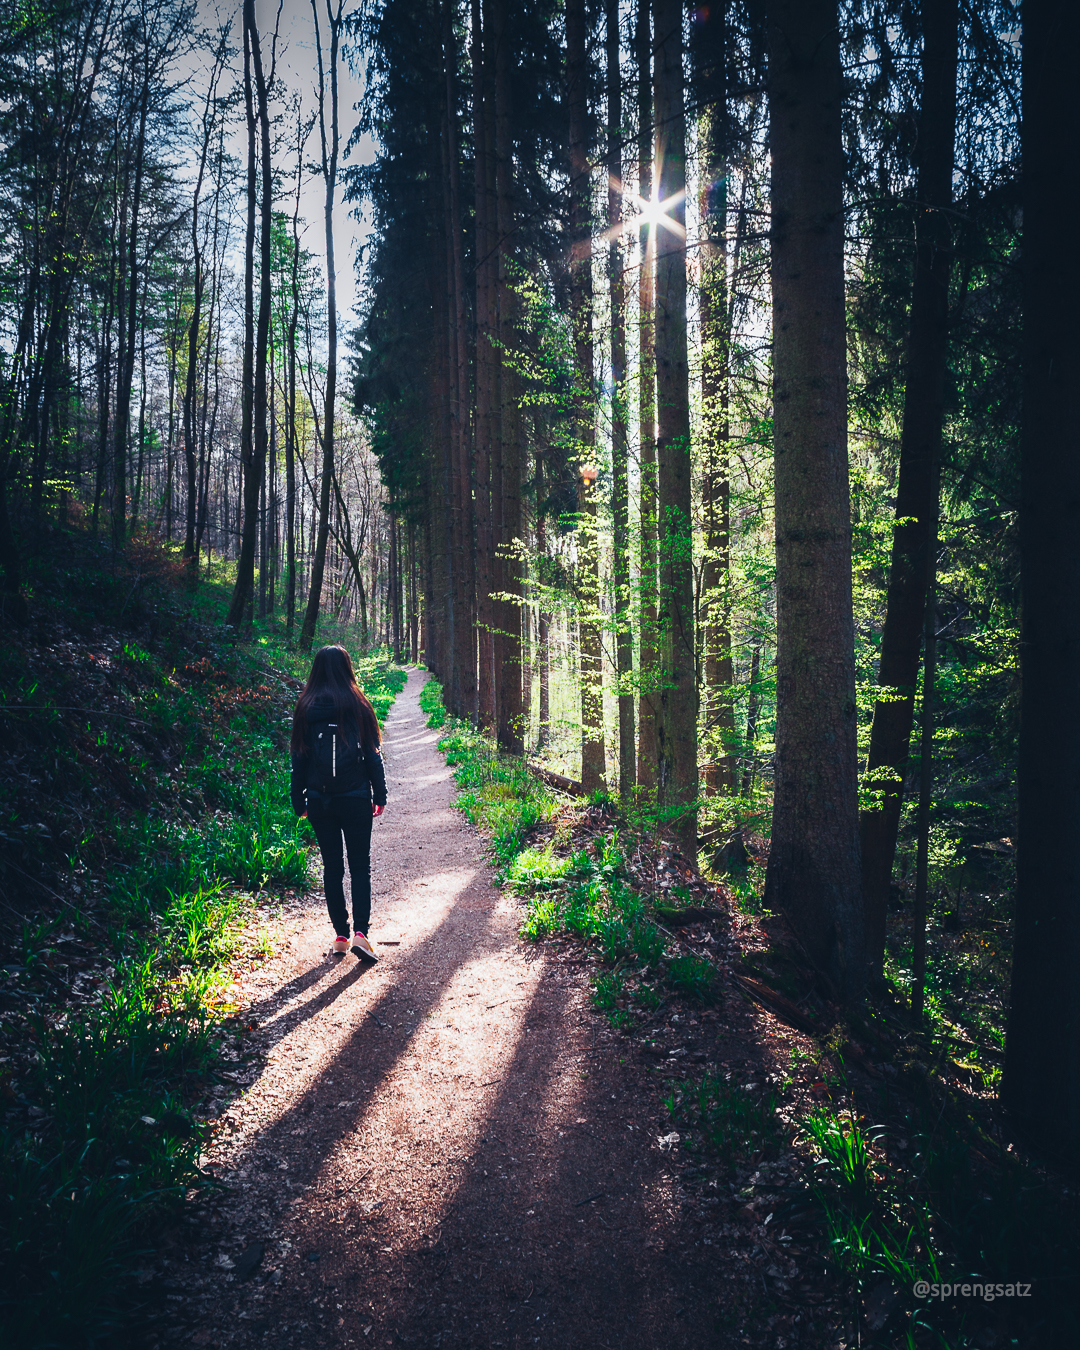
x=865 y=1239
x=585 y=895
x=607 y=989
x=117 y=1145
x=266 y=845
x=734 y=1120
x=692 y=976
x=260 y=844
x=193 y=820
x=496 y=792
x=933 y=1209
x=431 y=703
x=380 y=681
x=538 y=870
x=845 y=1151
x=648 y=944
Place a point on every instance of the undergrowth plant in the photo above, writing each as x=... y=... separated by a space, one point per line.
x=587 y=896
x=583 y=893
x=115 y=1142
x=735 y=1120
x=183 y=815
x=692 y=976
x=939 y=1212
x=431 y=703
x=496 y=792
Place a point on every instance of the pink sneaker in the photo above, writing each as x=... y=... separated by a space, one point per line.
x=362 y=947
x=341 y=946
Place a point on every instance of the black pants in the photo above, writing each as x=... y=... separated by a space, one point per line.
x=345 y=820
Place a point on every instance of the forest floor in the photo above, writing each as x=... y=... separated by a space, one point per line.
x=451 y=1147
x=592 y=1098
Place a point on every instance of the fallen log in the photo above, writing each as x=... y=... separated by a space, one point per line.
x=557 y=780
x=779 y=1005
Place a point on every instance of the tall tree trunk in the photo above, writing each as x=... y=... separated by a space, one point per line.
x=648 y=658
x=14 y=602
x=543 y=734
x=813 y=871
x=329 y=171
x=510 y=611
x=497 y=370
x=392 y=588
x=430 y=597
x=677 y=773
x=248 y=495
x=484 y=249
x=470 y=646
x=124 y=257
x=136 y=495
x=465 y=558
x=264 y=535
x=414 y=611
x=125 y=374
x=261 y=391
x=273 y=551
x=1041 y=1085
x=593 y=756
x=104 y=398
x=173 y=366
x=448 y=507
x=920 y=446
x=926 y=783
x=753 y=703
x=211 y=349
x=290 y=427
x=191 y=459
x=191 y=384
x=620 y=488
x=442 y=478
x=715 y=319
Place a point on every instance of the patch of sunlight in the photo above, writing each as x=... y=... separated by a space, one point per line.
x=466 y=1064
x=420 y=921
x=459 y=1054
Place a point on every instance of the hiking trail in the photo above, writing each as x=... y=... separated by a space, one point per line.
x=449 y=1148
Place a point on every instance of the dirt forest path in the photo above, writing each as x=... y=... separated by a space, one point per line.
x=447 y=1149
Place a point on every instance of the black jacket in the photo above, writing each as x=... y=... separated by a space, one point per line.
x=367 y=774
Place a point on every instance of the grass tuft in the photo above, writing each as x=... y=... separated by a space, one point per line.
x=692 y=976
x=734 y=1120
x=432 y=704
x=161 y=823
x=497 y=793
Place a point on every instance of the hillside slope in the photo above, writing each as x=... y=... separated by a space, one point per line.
x=144 y=830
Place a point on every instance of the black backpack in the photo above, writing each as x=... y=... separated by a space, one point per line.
x=336 y=761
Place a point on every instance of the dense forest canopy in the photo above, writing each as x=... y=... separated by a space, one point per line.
x=686 y=428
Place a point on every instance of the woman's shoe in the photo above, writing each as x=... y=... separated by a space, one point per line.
x=341 y=946
x=362 y=947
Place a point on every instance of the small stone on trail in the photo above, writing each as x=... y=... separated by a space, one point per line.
x=249 y=1260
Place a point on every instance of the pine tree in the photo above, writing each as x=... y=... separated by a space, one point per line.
x=581 y=296
x=677 y=769
x=917 y=491
x=1041 y=1084
x=813 y=871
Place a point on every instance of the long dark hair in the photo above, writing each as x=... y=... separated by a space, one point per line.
x=333 y=679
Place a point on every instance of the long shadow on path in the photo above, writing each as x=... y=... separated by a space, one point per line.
x=448 y=1151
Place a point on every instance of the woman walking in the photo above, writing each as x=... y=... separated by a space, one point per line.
x=339 y=784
